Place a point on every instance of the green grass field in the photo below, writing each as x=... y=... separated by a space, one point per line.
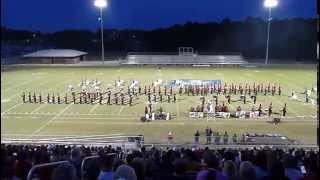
x=75 y=119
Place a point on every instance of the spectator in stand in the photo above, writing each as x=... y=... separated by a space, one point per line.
x=290 y=167
x=170 y=137
x=7 y=171
x=166 y=166
x=311 y=164
x=212 y=172
x=117 y=162
x=246 y=171
x=22 y=165
x=192 y=161
x=230 y=170
x=276 y=171
x=124 y=172
x=76 y=160
x=196 y=137
x=260 y=164
x=180 y=167
x=227 y=155
x=106 y=172
x=139 y=167
x=162 y=163
x=65 y=171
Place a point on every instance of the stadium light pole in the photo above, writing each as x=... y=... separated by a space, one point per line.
x=269 y=4
x=101 y=4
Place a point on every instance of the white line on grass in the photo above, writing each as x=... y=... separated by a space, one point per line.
x=289 y=109
x=117 y=123
x=60 y=135
x=40 y=85
x=52 y=119
x=66 y=114
x=287 y=118
x=18 y=85
x=263 y=121
x=12 y=107
x=39 y=107
x=48 y=90
x=178 y=112
x=93 y=108
x=120 y=110
x=112 y=118
x=16 y=94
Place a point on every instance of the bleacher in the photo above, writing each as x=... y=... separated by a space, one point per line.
x=58 y=157
x=181 y=59
x=89 y=162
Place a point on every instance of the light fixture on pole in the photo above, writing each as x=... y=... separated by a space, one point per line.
x=101 y=4
x=269 y=4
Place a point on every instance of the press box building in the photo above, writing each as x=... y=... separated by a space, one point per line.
x=55 y=56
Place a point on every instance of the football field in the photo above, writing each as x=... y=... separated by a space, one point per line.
x=33 y=120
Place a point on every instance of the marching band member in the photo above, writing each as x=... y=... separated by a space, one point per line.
x=48 y=98
x=66 y=99
x=29 y=97
x=260 y=110
x=270 y=109
x=40 y=98
x=24 y=97
x=284 y=109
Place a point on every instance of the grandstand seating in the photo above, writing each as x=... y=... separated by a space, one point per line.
x=143 y=59
x=85 y=162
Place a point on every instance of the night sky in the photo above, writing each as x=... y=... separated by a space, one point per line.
x=55 y=15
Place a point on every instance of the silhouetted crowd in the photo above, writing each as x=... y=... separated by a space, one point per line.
x=159 y=163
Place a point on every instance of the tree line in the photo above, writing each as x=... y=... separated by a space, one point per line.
x=289 y=38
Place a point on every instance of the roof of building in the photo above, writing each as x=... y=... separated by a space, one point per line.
x=67 y=53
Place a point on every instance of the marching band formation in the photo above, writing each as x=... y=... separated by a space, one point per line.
x=92 y=93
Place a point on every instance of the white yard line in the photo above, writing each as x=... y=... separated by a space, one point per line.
x=45 y=91
x=178 y=111
x=166 y=123
x=120 y=110
x=260 y=121
x=52 y=119
x=106 y=118
x=39 y=107
x=285 y=119
x=118 y=123
x=21 y=84
x=93 y=108
x=289 y=109
x=60 y=135
x=12 y=107
x=19 y=93
x=105 y=114
x=66 y=114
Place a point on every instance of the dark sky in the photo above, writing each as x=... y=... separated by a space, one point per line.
x=54 y=15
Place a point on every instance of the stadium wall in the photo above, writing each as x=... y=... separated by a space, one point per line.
x=54 y=60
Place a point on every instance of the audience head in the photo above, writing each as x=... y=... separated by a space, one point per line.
x=276 y=171
x=75 y=153
x=117 y=162
x=180 y=166
x=106 y=162
x=211 y=160
x=289 y=161
x=229 y=169
x=125 y=172
x=144 y=164
x=139 y=167
x=247 y=171
x=65 y=171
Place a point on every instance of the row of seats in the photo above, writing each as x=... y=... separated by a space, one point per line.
x=107 y=163
x=185 y=59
